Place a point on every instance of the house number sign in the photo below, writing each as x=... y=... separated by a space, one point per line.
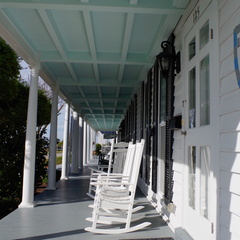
x=196 y=14
x=236 y=50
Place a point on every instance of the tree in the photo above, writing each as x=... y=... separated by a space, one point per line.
x=13 y=112
x=9 y=71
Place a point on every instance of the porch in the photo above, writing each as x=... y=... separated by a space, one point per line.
x=61 y=214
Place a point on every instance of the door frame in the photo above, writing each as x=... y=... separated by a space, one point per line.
x=207 y=10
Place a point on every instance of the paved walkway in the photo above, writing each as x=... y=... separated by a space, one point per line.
x=61 y=214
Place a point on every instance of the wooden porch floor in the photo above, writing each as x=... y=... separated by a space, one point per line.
x=61 y=214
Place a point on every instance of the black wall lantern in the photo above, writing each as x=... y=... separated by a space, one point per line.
x=167 y=58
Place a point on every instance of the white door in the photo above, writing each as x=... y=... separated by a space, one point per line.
x=200 y=126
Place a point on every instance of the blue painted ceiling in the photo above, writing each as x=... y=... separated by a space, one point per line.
x=97 y=51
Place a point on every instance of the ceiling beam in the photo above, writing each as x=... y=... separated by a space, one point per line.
x=42 y=13
x=112 y=98
x=87 y=83
x=137 y=60
x=146 y=8
x=91 y=41
x=127 y=35
x=133 y=2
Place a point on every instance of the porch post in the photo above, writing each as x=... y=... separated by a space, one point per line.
x=84 y=143
x=75 y=138
x=80 y=152
x=88 y=143
x=53 y=142
x=65 y=159
x=30 y=143
x=69 y=162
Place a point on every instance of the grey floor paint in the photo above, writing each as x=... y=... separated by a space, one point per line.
x=61 y=214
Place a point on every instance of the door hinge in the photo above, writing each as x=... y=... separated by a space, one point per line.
x=212 y=227
x=184 y=133
x=211 y=33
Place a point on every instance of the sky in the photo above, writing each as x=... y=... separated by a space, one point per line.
x=25 y=75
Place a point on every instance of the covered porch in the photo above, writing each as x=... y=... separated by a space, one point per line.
x=61 y=214
x=95 y=56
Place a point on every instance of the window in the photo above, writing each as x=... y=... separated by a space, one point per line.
x=192 y=48
x=192 y=98
x=191 y=175
x=204 y=92
x=204 y=35
x=204 y=180
x=162 y=100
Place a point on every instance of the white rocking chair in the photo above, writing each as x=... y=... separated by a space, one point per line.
x=114 y=200
x=116 y=162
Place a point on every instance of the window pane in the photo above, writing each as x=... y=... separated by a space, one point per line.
x=204 y=180
x=204 y=35
x=163 y=100
x=192 y=98
x=191 y=175
x=204 y=92
x=192 y=49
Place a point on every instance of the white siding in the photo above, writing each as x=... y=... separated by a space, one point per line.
x=229 y=191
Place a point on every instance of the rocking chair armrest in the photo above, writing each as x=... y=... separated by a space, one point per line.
x=107 y=174
x=111 y=183
x=112 y=178
x=103 y=166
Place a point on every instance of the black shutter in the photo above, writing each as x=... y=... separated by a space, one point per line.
x=127 y=126
x=168 y=166
x=168 y=194
x=133 y=111
x=121 y=135
x=142 y=111
x=135 y=119
x=142 y=123
x=154 y=128
x=148 y=125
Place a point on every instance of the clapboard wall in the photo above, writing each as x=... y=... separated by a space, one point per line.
x=229 y=184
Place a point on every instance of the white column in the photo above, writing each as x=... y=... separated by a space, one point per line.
x=53 y=142
x=75 y=145
x=80 y=150
x=88 y=143
x=65 y=160
x=84 y=143
x=30 y=143
x=70 y=143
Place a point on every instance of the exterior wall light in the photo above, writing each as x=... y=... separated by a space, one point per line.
x=168 y=59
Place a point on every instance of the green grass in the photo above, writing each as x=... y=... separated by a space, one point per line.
x=59 y=160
